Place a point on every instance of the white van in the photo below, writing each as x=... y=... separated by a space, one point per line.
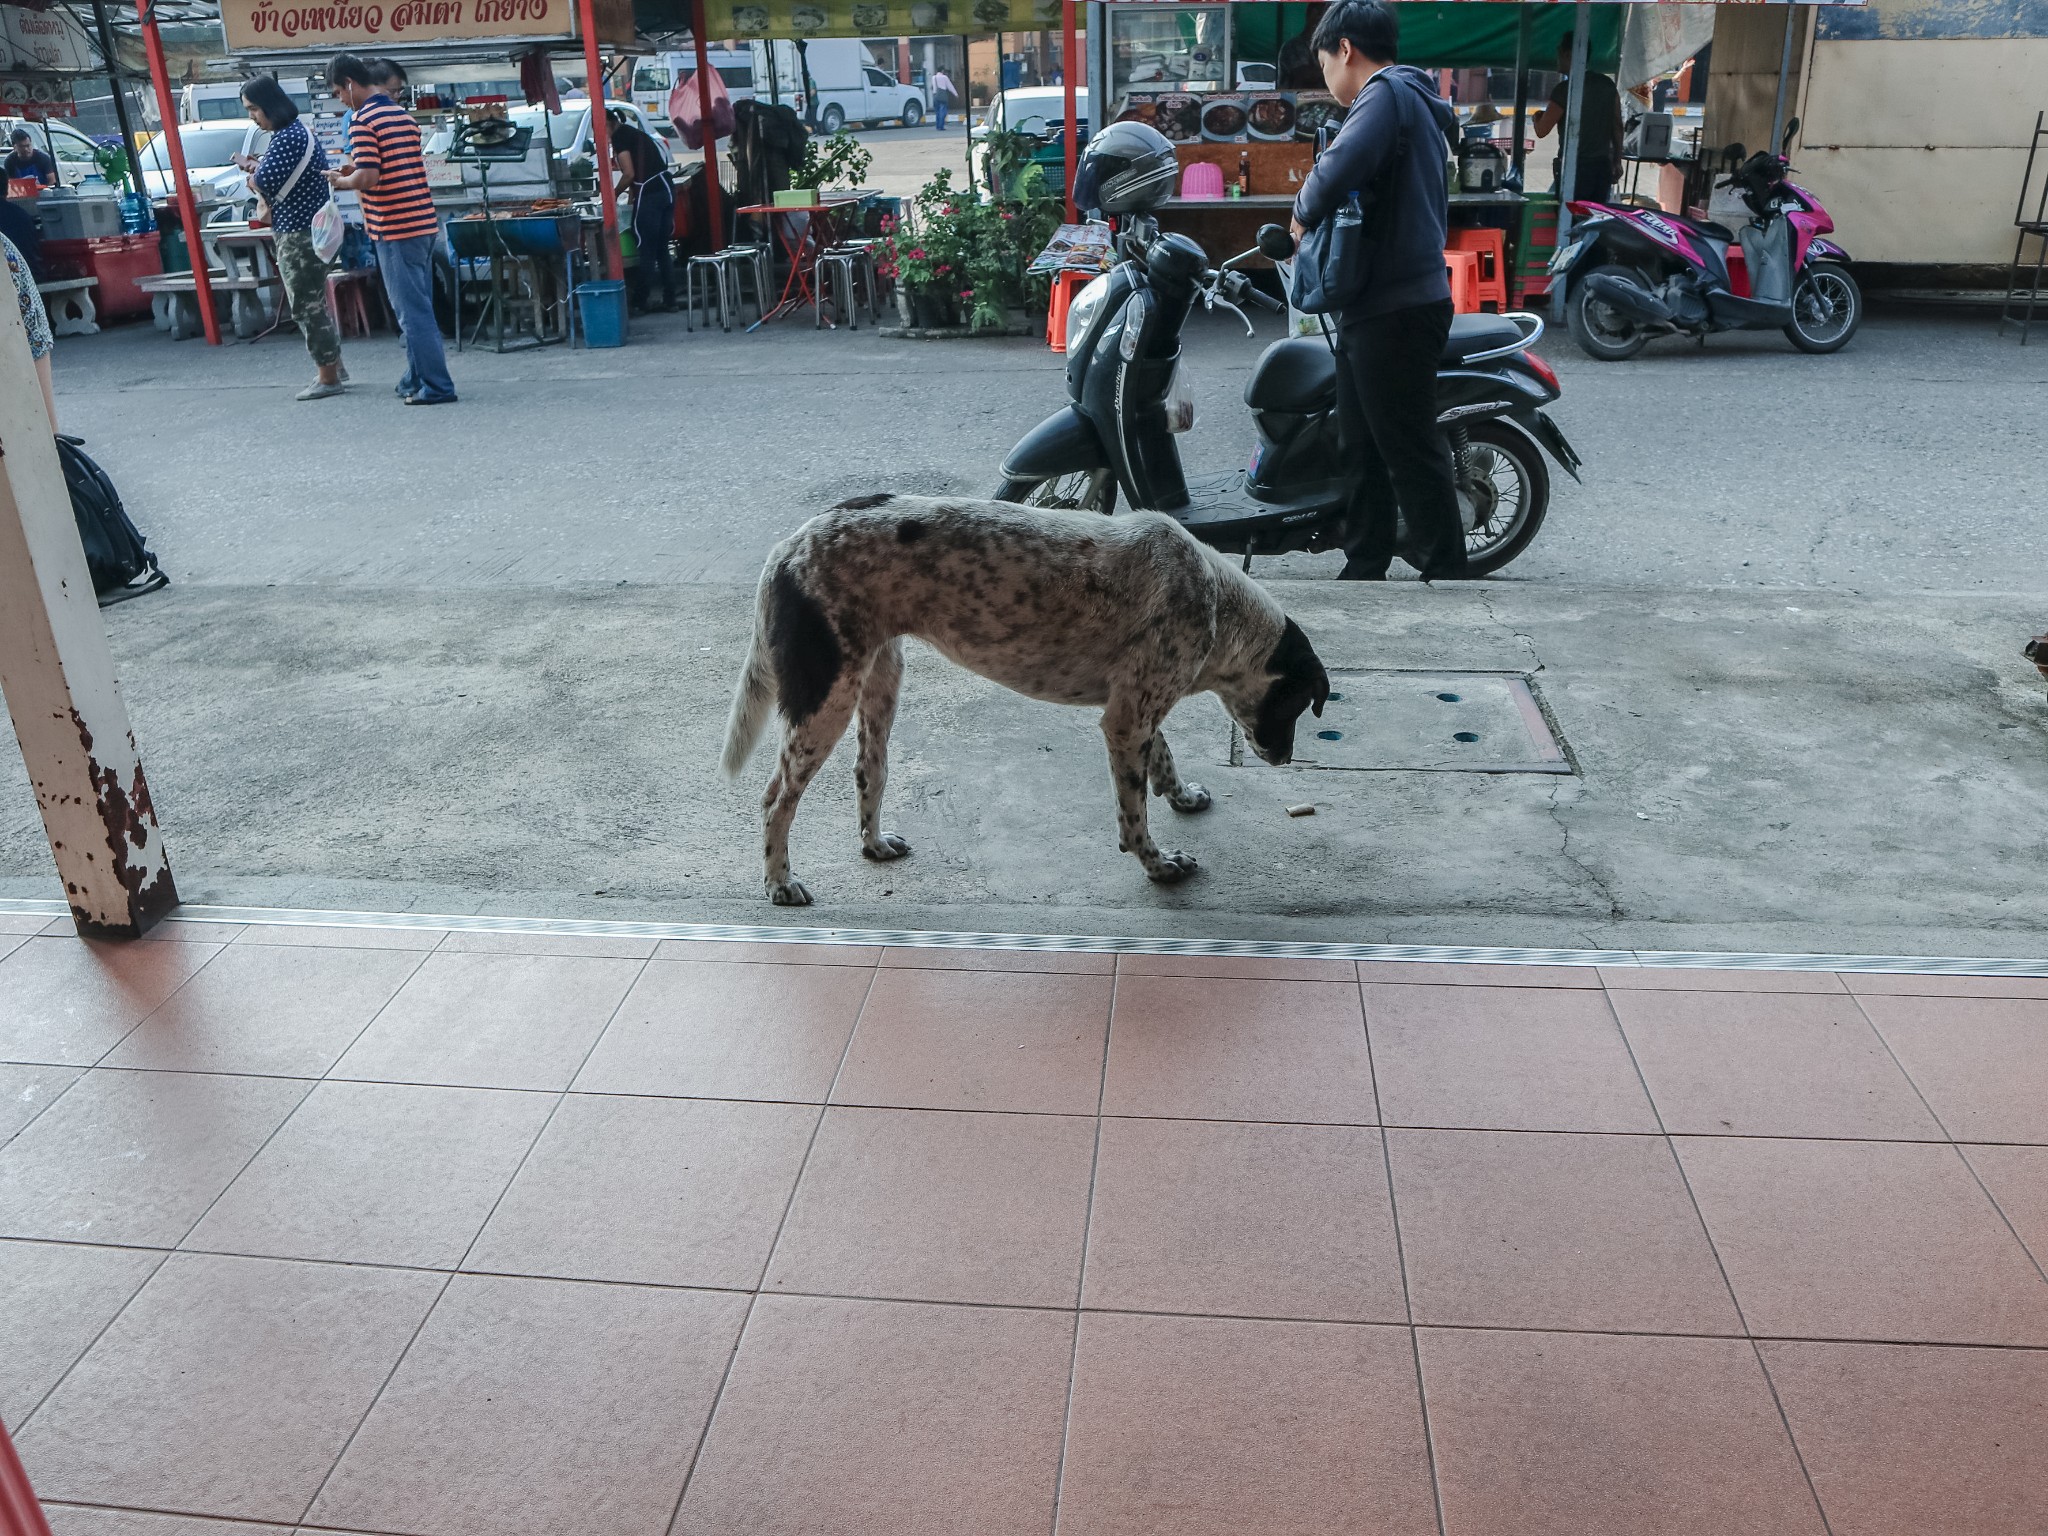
x=656 y=74
x=222 y=99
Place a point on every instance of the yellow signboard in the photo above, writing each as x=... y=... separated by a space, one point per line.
x=272 y=25
x=876 y=18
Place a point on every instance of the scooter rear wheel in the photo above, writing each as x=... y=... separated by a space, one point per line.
x=1500 y=468
x=1600 y=332
x=1094 y=491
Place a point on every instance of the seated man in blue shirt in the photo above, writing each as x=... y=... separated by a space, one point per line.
x=29 y=162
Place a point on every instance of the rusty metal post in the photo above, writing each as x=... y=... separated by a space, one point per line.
x=57 y=676
x=1069 y=57
x=601 y=141
x=174 y=152
x=714 y=203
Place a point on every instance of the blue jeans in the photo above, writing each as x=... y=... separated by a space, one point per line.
x=408 y=268
x=940 y=101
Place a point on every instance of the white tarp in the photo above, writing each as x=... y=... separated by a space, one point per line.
x=1659 y=38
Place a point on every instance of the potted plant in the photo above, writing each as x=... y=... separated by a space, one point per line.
x=838 y=161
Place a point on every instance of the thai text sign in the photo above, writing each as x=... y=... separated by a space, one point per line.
x=278 y=24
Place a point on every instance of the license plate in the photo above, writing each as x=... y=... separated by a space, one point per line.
x=1564 y=258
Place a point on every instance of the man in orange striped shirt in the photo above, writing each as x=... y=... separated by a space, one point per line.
x=385 y=169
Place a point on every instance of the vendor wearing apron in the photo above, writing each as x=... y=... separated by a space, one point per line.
x=643 y=169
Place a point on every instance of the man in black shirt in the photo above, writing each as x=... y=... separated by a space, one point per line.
x=643 y=170
x=1599 y=129
x=28 y=161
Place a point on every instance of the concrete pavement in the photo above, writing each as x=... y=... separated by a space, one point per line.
x=478 y=658
x=1761 y=770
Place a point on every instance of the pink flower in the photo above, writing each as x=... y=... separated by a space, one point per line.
x=966 y=293
x=943 y=269
x=918 y=254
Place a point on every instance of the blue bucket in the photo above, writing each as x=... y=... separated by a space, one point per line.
x=602 y=306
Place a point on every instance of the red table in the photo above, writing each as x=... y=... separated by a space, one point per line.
x=802 y=240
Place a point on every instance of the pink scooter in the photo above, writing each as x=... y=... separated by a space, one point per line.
x=1630 y=274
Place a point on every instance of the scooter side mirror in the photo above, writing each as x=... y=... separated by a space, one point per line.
x=1275 y=244
x=1791 y=133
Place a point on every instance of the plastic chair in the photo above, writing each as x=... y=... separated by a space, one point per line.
x=1491 y=247
x=350 y=300
x=1202 y=180
x=1064 y=286
x=1463 y=267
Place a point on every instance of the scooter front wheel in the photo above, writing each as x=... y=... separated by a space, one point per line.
x=1090 y=491
x=1503 y=492
x=1827 y=306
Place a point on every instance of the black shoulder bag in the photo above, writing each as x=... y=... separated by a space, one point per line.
x=1333 y=263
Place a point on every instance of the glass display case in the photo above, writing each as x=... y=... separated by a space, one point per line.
x=1157 y=48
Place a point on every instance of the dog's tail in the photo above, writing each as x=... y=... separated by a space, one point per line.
x=754 y=701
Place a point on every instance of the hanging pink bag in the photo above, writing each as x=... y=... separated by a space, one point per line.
x=686 y=111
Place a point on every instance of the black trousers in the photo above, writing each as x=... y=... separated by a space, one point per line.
x=654 y=227
x=1386 y=414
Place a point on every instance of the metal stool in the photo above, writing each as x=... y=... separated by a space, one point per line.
x=849 y=266
x=833 y=277
x=711 y=272
x=754 y=264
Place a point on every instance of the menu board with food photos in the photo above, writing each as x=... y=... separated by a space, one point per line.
x=1263 y=117
x=878 y=18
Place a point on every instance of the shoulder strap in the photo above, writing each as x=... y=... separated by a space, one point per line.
x=298 y=170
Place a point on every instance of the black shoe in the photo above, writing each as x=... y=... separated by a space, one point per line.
x=1358 y=570
x=431 y=399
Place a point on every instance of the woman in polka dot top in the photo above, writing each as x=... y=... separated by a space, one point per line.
x=291 y=216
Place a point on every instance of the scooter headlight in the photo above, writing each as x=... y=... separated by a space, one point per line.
x=1081 y=313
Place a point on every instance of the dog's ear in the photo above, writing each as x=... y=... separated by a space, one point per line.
x=1296 y=659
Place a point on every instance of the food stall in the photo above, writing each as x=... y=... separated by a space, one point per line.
x=1236 y=88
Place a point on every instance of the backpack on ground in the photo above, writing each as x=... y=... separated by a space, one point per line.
x=115 y=552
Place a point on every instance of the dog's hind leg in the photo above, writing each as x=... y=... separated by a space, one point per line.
x=1182 y=796
x=805 y=746
x=1130 y=742
x=879 y=687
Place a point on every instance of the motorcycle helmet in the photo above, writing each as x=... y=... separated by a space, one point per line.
x=1127 y=168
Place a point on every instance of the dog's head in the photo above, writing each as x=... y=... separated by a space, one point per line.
x=1271 y=699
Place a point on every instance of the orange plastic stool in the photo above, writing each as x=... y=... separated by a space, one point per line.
x=1064 y=286
x=1491 y=247
x=1463 y=267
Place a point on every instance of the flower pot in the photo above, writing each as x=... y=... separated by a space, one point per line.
x=932 y=311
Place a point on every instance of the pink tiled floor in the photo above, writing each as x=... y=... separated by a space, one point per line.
x=377 y=1231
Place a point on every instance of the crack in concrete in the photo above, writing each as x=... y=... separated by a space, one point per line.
x=1564 y=848
x=1528 y=641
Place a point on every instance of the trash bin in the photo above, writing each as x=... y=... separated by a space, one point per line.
x=602 y=307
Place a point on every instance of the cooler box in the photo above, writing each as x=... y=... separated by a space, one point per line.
x=77 y=218
x=117 y=262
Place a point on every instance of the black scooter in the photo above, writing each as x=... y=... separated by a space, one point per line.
x=1129 y=398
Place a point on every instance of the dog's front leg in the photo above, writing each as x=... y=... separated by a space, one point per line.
x=1165 y=781
x=879 y=688
x=1129 y=753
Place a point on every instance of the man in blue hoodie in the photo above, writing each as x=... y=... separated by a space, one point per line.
x=1392 y=147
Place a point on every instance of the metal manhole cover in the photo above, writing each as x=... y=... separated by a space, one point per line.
x=1445 y=722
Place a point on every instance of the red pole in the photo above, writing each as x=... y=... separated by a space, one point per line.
x=1069 y=57
x=713 y=202
x=188 y=208
x=20 y=1514
x=601 y=141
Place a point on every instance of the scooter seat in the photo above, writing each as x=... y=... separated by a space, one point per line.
x=1297 y=377
x=1473 y=334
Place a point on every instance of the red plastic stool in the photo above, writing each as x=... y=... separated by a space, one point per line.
x=1491 y=247
x=1463 y=267
x=349 y=300
x=1064 y=286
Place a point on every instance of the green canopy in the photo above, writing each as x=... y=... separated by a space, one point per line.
x=1448 y=34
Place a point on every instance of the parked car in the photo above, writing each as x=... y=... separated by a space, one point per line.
x=851 y=87
x=218 y=101
x=1039 y=110
x=210 y=150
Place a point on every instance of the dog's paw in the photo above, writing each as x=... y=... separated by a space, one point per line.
x=1189 y=798
x=1172 y=868
x=885 y=847
x=790 y=893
